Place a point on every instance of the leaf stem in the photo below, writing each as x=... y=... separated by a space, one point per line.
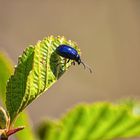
x=3 y=138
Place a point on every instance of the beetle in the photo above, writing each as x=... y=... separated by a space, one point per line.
x=70 y=53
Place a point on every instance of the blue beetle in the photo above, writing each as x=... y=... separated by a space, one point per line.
x=71 y=54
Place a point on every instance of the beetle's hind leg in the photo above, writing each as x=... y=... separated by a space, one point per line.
x=73 y=63
x=62 y=63
x=68 y=61
x=55 y=61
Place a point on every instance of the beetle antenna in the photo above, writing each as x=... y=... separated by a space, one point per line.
x=83 y=65
x=86 y=66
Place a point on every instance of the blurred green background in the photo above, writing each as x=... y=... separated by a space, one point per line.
x=108 y=33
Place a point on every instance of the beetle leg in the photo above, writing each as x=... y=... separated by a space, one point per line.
x=73 y=63
x=59 y=64
x=54 y=61
x=68 y=61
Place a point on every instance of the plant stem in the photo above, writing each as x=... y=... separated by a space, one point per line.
x=4 y=138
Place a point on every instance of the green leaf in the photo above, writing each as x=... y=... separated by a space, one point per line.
x=4 y=120
x=48 y=130
x=99 y=121
x=38 y=68
x=27 y=132
x=6 y=70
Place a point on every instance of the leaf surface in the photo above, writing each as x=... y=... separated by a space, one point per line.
x=27 y=132
x=38 y=68
x=6 y=69
x=99 y=121
x=4 y=120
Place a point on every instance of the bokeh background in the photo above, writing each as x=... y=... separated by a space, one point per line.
x=108 y=33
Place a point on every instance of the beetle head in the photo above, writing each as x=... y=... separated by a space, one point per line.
x=79 y=61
